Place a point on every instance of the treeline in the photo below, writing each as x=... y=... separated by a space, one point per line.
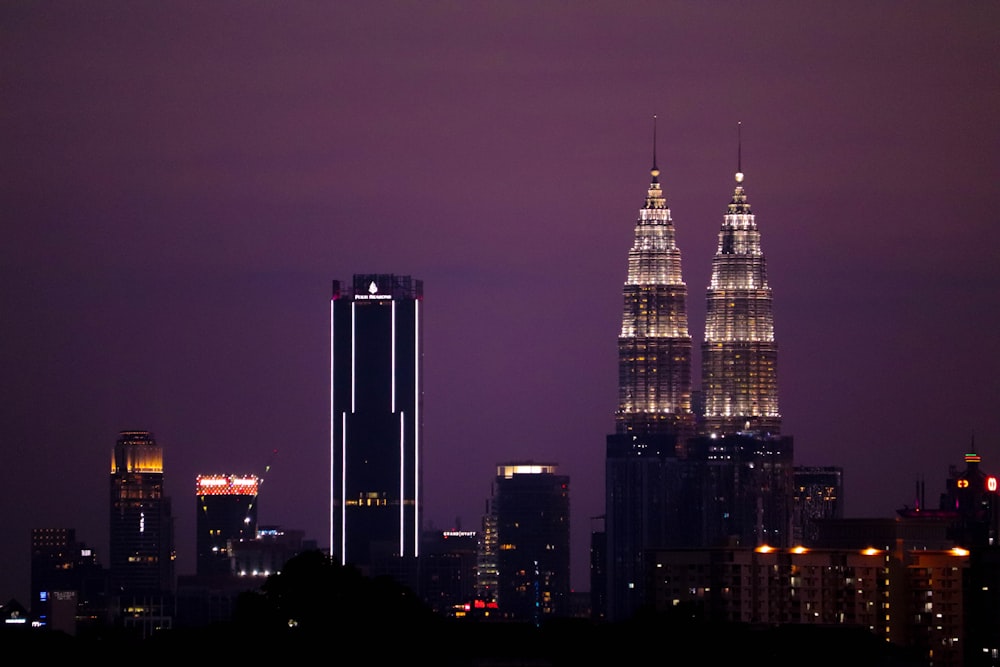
x=316 y=607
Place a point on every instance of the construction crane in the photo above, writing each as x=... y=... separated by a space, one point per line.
x=260 y=482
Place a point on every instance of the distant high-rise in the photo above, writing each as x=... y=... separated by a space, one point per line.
x=486 y=559
x=741 y=491
x=142 y=533
x=654 y=418
x=531 y=506
x=63 y=568
x=142 y=548
x=227 y=514
x=739 y=356
x=376 y=423
x=448 y=570
x=818 y=496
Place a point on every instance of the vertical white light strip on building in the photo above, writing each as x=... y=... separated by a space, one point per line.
x=354 y=335
x=416 y=427
x=393 y=352
x=402 y=485
x=333 y=435
x=343 y=488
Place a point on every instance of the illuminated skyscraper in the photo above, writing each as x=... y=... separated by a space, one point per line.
x=227 y=514
x=654 y=346
x=739 y=356
x=746 y=489
x=376 y=423
x=531 y=506
x=654 y=418
x=142 y=533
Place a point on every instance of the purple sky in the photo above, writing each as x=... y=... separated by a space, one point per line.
x=182 y=180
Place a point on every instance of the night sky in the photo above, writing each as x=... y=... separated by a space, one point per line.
x=181 y=182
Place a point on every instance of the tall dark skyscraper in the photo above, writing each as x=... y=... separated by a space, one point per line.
x=654 y=418
x=531 y=506
x=142 y=532
x=227 y=514
x=739 y=356
x=376 y=423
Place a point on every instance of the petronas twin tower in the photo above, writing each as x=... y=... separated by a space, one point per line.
x=739 y=355
x=688 y=469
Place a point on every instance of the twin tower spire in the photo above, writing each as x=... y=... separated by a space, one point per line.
x=739 y=391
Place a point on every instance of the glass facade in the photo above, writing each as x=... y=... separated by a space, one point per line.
x=531 y=506
x=739 y=355
x=375 y=420
x=141 y=530
x=654 y=345
x=654 y=417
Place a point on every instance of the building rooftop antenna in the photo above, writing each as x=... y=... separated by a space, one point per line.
x=260 y=483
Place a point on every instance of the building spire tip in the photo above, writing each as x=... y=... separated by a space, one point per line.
x=739 y=151
x=655 y=171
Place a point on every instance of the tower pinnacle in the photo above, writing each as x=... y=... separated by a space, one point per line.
x=655 y=171
x=739 y=151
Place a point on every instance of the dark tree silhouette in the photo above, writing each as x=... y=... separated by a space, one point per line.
x=315 y=598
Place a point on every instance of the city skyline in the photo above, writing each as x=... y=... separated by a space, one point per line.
x=184 y=181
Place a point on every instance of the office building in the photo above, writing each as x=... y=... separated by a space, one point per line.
x=207 y=599
x=69 y=587
x=971 y=494
x=598 y=569
x=531 y=506
x=818 y=494
x=376 y=424
x=747 y=495
x=694 y=468
x=486 y=560
x=739 y=355
x=739 y=491
x=653 y=419
x=227 y=513
x=448 y=570
x=654 y=345
x=142 y=552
